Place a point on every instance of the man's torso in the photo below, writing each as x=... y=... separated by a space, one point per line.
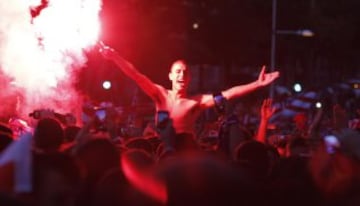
x=183 y=111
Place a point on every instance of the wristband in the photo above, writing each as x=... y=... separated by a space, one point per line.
x=219 y=101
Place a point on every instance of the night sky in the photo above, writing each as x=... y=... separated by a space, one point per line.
x=152 y=34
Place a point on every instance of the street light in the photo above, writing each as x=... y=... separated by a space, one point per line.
x=274 y=32
x=300 y=32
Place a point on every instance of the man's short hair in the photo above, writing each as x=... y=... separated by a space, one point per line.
x=179 y=61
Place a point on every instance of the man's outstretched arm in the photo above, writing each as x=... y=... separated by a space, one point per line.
x=149 y=87
x=264 y=79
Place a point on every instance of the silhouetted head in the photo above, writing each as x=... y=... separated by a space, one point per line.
x=254 y=156
x=48 y=135
x=56 y=179
x=97 y=156
x=140 y=143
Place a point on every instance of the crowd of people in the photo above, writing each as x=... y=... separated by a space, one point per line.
x=60 y=163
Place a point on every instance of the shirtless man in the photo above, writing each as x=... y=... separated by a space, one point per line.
x=183 y=109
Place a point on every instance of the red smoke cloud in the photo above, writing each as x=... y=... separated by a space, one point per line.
x=41 y=52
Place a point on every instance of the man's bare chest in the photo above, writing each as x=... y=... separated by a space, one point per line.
x=183 y=107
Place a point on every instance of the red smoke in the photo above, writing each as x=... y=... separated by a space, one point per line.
x=40 y=54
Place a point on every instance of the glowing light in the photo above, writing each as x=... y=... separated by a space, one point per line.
x=306 y=33
x=318 y=105
x=33 y=3
x=195 y=26
x=68 y=25
x=356 y=86
x=297 y=87
x=41 y=52
x=106 y=85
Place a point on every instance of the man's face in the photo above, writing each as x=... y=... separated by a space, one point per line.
x=179 y=76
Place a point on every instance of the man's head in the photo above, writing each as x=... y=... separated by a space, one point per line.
x=48 y=135
x=179 y=75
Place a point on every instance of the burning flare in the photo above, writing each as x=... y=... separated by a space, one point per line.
x=42 y=45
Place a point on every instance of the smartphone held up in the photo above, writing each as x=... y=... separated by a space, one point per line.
x=162 y=118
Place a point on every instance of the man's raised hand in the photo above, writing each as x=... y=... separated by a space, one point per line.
x=106 y=51
x=267 y=78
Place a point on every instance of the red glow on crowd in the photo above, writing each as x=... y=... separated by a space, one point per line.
x=142 y=180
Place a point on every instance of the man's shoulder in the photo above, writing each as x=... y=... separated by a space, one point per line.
x=199 y=96
x=202 y=98
x=162 y=89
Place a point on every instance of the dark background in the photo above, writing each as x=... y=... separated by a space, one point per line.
x=234 y=35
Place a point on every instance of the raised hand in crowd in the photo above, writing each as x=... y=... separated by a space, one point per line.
x=266 y=111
